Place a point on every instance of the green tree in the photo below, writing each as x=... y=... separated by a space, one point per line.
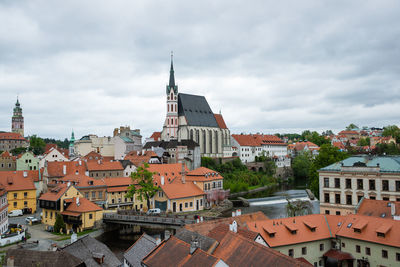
x=270 y=167
x=301 y=166
x=298 y=207
x=392 y=130
x=363 y=142
x=18 y=150
x=351 y=126
x=143 y=185
x=59 y=223
x=36 y=145
x=328 y=154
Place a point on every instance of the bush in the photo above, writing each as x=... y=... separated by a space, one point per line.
x=59 y=224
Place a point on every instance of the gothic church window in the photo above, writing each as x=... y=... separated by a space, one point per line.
x=210 y=141
x=191 y=134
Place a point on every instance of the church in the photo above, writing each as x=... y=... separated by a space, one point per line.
x=189 y=117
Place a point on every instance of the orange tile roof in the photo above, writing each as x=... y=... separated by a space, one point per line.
x=236 y=250
x=15 y=180
x=203 y=174
x=338 y=145
x=11 y=136
x=220 y=121
x=81 y=180
x=219 y=232
x=92 y=155
x=104 y=166
x=257 y=140
x=55 y=168
x=169 y=171
x=347 y=132
x=55 y=193
x=118 y=189
x=118 y=181
x=85 y=205
x=308 y=228
x=205 y=227
x=138 y=160
x=378 y=208
x=299 y=146
x=369 y=232
x=177 y=190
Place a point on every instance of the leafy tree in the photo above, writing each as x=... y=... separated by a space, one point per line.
x=327 y=132
x=392 y=130
x=328 y=154
x=351 y=126
x=298 y=207
x=301 y=166
x=270 y=167
x=59 y=223
x=18 y=150
x=386 y=149
x=143 y=185
x=36 y=145
x=314 y=137
x=363 y=142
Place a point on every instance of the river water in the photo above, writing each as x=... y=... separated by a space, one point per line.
x=273 y=207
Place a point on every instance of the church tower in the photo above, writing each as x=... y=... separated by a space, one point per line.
x=71 y=144
x=17 y=121
x=171 y=121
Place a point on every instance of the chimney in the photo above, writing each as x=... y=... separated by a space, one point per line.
x=183 y=173
x=25 y=174
x=65 y=169
x=77 y=201
x=233 y=227
x=76 y=172
x=158 y=241
x=69 y=183
x=167 y=234
x=162 y=180
x=87 y=173
x=10 y=261
x=393 y=209
x=99 y=162
x=80 y=162
x=194 y=244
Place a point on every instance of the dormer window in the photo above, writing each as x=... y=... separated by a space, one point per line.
x=271 y=235
x=380 y=234
x=293 y=232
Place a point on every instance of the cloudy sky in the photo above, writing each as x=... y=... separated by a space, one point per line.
x=268 y=66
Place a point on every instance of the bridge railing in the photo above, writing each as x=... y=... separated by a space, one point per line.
x=147 y=219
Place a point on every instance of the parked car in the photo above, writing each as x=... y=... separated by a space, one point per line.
x=15 y=213
x=153 y=211
x=31 y=219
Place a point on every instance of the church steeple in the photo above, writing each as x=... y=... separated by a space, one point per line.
x=172 y=85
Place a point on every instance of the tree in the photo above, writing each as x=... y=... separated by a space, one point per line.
x=36 y=145
x=301 y=166
x=327 y=133
x=270 y=167
x=363 y=142
x=143 y=186
x=18 y=150
x=392 y=130
x=351 y=126
x=59 y=223
x=298 y=207
x=328 y=154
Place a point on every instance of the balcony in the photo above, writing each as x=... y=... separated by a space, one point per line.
x=72 y=220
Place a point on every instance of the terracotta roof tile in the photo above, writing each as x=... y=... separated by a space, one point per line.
x=138 y=158
x=81 y=180
x=156 y=136
x=257 y=140
x=118 y=189
x=219 y=232
x=220 y=121
x=15 y=180
x=378 y=208
x=55 y=193
x=177 y=190
x=104 y=166
x=118 y=181
x=56 y=168
x=11 y=136
x=85 y=205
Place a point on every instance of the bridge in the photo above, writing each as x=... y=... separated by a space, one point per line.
x=163 y=221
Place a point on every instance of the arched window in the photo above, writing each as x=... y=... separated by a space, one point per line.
x=198 y=137
x=210 y=141
x=191 y=134
x=204 y=141
x=176 y=121
x=216 y=141
x=172 y=96
x=168 y=107
x=168 y=122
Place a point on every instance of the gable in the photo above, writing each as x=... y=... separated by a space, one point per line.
x=196 y=110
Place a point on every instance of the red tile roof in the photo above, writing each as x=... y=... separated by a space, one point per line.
x=203 y=174
x=156 y=136
x=92 y=156
x=220 y=121
x=118 y=189
x=138 y=158
x=15 y=180
x=257 y=140
x=377 y=208
x=85 y=205
x=299 y=146
x=169 y=171
x=219 y=232
x=55 y=168
x=104 y=166
x=118 y=181
x=81 y=180
x=177 y=190
x=11 y=136
x=55 y=193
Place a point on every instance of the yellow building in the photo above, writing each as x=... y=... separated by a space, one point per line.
x=116 y=189
x=21 y=190
x=78 y=212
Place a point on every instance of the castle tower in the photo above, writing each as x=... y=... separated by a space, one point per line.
x=171 y=121
x=17 y=121
x=71 y=144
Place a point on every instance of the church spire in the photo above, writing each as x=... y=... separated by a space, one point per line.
x=171 y=72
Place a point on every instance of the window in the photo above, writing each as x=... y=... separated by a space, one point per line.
x=385 y=198
x=321 y=247
x=360 y=184
x=349 y=199
x=337 y=198
x=326 y=197
x=371 y=184
x=45 y=214
x=304 y=250
x=373 y=198
x=112 y=201
x=397 y=256
x=100 y=194
x=397 y=186
x=337 y=212
x=25 y=204
x=327 y=212
x=384 y=254
x=15 y=195
x=337 y=183
x=93 y=194
x=348 y=183
x=385 y=185
x=359 y=198
x=326 y=182
x=291 y=254
x=191 y=204
x=90 y=216
x=358 y=249
x=186 y=204
x=86 y=194
x=15 y=204
x=343 y=245
x=368 y=251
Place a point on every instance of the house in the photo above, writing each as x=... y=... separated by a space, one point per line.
x=176 y=194
x=117 y=188
x=52 y=155
x=350 y=134
x=3 y=210
x=128 y=166
x=125 y=141
x=343 y=184
x=103 y=145
x=134 y=255
x=21 y=190
x=8 y=162
x=10 y=141
x=56 y=170
x=92 y=252
x=78 y=212
x=101 y=169
x=138 y=158
x=306 y=146
x=26 y=257
x=27 y=161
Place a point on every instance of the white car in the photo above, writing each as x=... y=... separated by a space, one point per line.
x=31 y=219
x=15 y=213
x=153 y=211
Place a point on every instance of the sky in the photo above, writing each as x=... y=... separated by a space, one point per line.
x=267 y=66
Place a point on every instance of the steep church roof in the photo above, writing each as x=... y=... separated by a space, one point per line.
x=196 y=110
